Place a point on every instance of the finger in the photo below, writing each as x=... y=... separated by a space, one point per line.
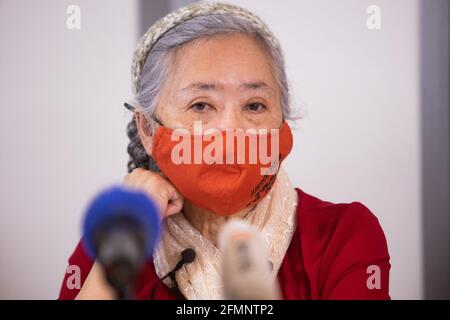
x=174 y=206
x=174 y=199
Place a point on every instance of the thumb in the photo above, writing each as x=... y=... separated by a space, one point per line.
x=174 y=206
x=174 y=201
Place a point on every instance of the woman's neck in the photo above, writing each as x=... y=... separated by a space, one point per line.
x=208 y=223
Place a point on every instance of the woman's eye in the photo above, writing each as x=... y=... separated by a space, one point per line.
x=199 y=107
x=256 y=107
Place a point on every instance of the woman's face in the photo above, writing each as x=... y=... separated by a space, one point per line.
x=226 y=82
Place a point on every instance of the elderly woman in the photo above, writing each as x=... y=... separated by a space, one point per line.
x=220 y=66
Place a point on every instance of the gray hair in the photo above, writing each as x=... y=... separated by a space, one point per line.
x=159 y=64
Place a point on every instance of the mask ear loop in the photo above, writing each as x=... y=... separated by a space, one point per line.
x=133 y=109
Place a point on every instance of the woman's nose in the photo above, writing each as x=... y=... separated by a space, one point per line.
x=230 y=118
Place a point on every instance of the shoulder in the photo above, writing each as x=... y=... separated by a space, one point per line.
x=79 y=266
x=319 y=218
x=340 y=243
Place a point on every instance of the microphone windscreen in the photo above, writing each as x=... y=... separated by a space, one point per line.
x=122 y=202
x=245 y=265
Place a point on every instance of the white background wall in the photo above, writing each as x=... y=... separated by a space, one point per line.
x=63 y=128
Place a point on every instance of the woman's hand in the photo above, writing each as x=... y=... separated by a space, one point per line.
x=161 y=190
x=169 y=201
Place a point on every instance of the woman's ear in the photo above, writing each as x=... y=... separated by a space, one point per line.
x=143 y=126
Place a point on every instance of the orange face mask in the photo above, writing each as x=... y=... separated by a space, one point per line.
x=219 y=171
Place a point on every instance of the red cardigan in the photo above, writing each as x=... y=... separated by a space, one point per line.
x=331 y=256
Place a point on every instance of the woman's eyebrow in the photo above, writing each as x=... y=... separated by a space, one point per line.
x=200 y=86
x=255 y=86
x=203 y=86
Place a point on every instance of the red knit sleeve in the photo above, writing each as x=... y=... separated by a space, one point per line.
x=356 y=262
x=79 y=266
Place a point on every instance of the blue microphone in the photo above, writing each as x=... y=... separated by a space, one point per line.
x=120 y=230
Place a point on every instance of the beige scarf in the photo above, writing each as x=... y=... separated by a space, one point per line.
x=274 y=215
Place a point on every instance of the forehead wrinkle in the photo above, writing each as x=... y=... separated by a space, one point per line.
x=245 y=86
